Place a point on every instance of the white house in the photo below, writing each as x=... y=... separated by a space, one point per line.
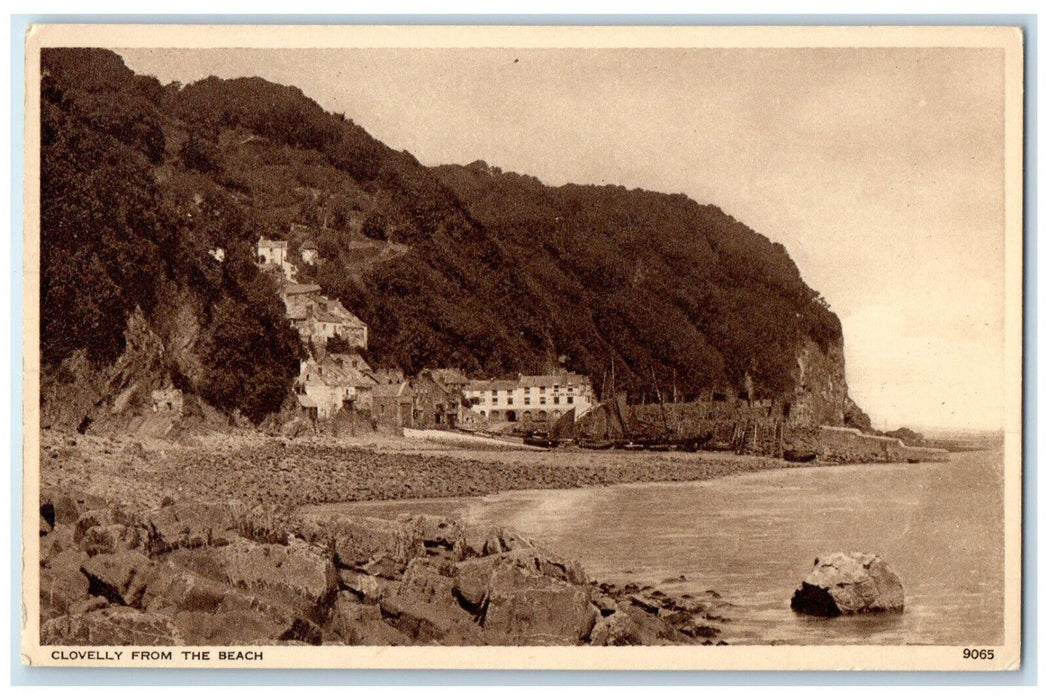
x=309 y=253
x=331 y=385
x=275 y=253
x=272 y=252
x=531 y=398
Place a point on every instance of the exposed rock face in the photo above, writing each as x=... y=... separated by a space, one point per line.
x=220 y=574
x=822 y=391
x=844 y=584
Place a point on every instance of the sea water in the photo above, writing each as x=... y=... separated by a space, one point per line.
x=753 y=538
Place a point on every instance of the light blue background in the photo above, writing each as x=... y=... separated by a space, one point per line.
x=21 y=675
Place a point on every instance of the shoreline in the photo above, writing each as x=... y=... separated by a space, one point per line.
x=142 y=545
x=154 y=542
x=257 y=469
x=159 y=542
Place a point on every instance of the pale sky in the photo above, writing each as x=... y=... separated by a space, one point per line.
x=880 y=170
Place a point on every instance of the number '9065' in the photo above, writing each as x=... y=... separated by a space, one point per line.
x=981 y=654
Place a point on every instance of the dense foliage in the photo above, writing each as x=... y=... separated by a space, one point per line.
x=114 y=237
x=491 y=272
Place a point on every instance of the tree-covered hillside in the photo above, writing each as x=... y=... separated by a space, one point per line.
x=452 y=266
x=115 y=236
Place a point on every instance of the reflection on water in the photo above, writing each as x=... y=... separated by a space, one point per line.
x=754 y=537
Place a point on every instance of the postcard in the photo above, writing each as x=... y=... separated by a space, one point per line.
x=521 y=347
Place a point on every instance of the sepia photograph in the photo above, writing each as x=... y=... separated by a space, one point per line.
x=523 y=347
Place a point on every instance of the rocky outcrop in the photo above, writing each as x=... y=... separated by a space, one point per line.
x=524 y=606
x=849 y=445
x=844 y=584
x=197 y=573
x=821 y=396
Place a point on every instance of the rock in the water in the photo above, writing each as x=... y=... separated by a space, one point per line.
x=844 y=584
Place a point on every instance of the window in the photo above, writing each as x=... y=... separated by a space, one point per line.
x=494 y=400
x=509 y=400
x=542 y=390
x=542 y=400
x=556 y=399
x=527 y=400
x=571 y=399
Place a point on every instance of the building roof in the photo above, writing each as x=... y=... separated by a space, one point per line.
x=309 y=245
x=389 y=391
x=388 y=376
x=332 y=373
x=450 y=376
x=356 y=378
x=352 y=359
x=523 y=381
x=492 y=385
x=267 y=243
x=564 y=379
x=335 y=307
x=325 y=317
x=290 y=289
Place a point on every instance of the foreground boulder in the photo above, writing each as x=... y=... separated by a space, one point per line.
x=376 y=546
x=111 y=626
x=524 y=607
x=845 y=584
x=297 y=575
x=62 y=584
x=223 y=573
x=188 y=526
x=120 y=578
